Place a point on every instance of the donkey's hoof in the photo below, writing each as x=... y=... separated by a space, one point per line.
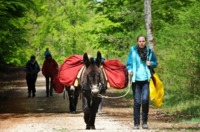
x=92 y=127
x=87 y=127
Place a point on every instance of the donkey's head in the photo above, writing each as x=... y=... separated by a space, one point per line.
x=93 y=76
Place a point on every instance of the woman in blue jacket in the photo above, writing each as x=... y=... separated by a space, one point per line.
x=140 y=60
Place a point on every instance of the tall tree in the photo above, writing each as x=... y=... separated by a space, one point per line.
x=149 y=24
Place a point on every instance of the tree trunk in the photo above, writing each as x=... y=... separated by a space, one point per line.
x=148 y=23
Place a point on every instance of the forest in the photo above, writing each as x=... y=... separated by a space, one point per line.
x=66 y=27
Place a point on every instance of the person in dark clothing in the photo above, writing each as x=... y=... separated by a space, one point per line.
x=49 y=70
x=73 y=93
x=32 y=69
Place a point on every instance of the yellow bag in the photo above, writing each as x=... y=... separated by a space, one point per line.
x=156 y=93
x=152 y=90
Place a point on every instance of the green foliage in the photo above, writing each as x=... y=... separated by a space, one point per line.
x=118 y=23
x=12 y=30
x=60 y=29
x=179 y=63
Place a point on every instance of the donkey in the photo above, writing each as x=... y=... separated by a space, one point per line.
x=92 y=82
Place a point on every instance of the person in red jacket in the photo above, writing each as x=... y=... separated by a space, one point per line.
x=49 y=70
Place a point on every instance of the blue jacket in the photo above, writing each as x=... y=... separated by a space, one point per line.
x=139 y=69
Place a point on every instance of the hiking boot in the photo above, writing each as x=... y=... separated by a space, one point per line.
x=144 y=126
x=136 y=126
x=92 y=127
x=87 y=127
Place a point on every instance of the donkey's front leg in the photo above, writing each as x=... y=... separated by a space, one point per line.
x=86 y=109
x=93 y=111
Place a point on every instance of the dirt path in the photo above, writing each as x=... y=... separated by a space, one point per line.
x=40 y=114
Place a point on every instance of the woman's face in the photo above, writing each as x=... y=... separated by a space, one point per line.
x=141 y=42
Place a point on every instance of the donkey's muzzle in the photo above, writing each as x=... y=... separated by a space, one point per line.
x=95 y=91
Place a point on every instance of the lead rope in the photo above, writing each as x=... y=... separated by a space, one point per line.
x=129 y=87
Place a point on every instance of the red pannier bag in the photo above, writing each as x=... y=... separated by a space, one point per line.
x=69 y=69
x=116 y=73
x=57 y=85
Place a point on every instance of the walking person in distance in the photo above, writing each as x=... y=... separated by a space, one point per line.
x=49 y=70
x=32 y=69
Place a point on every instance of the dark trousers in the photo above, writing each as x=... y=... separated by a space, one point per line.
x=49 y=86
x=141 y=99
x=31 y=80
x=73 y=98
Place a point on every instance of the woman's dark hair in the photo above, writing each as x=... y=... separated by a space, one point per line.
x=141 y=36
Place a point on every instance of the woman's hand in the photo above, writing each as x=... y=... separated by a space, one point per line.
x=148 y=63
x=130 y=72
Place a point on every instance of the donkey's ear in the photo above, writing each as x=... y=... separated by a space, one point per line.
x=98 y=59
x=86 y=60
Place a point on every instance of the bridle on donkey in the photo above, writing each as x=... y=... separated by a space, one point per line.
x=96 y=77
